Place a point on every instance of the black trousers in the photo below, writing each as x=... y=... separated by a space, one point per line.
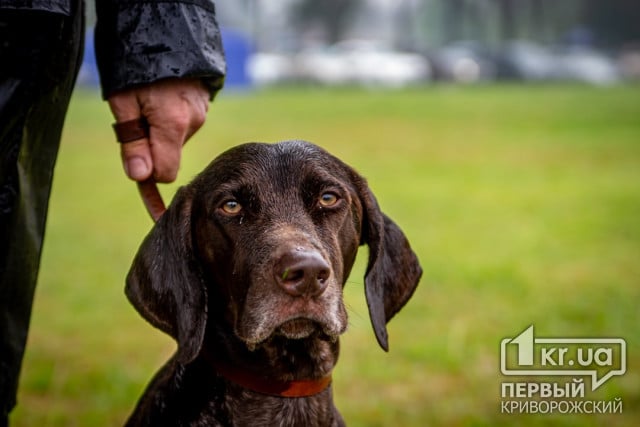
x=40 y=53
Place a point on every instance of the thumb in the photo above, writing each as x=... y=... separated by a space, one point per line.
x=136 y=159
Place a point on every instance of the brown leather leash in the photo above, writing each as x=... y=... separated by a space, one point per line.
x=129 y=131
x=152 y=198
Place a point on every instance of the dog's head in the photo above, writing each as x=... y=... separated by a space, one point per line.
x=267 y=234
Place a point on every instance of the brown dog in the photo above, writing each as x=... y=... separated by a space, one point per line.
x=245 y=270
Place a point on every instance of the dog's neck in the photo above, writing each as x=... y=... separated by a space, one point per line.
x=279 y=367
x=265 y=385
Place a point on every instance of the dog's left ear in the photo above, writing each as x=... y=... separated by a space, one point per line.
x=164 y=283
x=393 y=271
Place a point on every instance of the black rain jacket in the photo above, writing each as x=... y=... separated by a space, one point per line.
x=141 y=41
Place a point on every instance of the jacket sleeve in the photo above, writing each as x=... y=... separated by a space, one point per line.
x=141 y=41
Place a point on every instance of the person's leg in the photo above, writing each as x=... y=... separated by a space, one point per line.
x=40 y=55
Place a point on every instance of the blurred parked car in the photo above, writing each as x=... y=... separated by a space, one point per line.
x=524 y=60
x=362 y=62
x=463 y=62
x=373 y=64
x=629 y=62
x=270 y=68
x=587 y=65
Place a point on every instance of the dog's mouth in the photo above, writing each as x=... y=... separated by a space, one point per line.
x=267 y=318
x=298 y=328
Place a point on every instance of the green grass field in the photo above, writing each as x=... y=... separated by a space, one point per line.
x=523 y=204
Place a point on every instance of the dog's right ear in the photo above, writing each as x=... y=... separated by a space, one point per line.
x=164 y=283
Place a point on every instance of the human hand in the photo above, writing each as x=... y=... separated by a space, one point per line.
x=174 y=109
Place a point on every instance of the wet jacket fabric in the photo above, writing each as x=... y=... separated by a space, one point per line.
x=62 y=7
x=157 y=39
x=140 y=41
x=137 y=42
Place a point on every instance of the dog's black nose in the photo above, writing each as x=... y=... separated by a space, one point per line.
x=302 y=273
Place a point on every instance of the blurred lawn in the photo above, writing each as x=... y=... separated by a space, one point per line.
x=523 y=204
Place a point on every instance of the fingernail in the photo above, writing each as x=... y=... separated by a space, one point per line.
x=136 y=168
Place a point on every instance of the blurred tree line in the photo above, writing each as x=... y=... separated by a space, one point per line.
x=607 y=23
x=335 y=16
x=427 y=23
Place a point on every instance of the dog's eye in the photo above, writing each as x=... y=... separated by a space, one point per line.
x=328 y=200
x=231 y=207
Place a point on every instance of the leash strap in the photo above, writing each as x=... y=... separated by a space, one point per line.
x=152 y=198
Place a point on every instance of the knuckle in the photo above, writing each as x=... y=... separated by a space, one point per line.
x=199 y=118
x=180 y=122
